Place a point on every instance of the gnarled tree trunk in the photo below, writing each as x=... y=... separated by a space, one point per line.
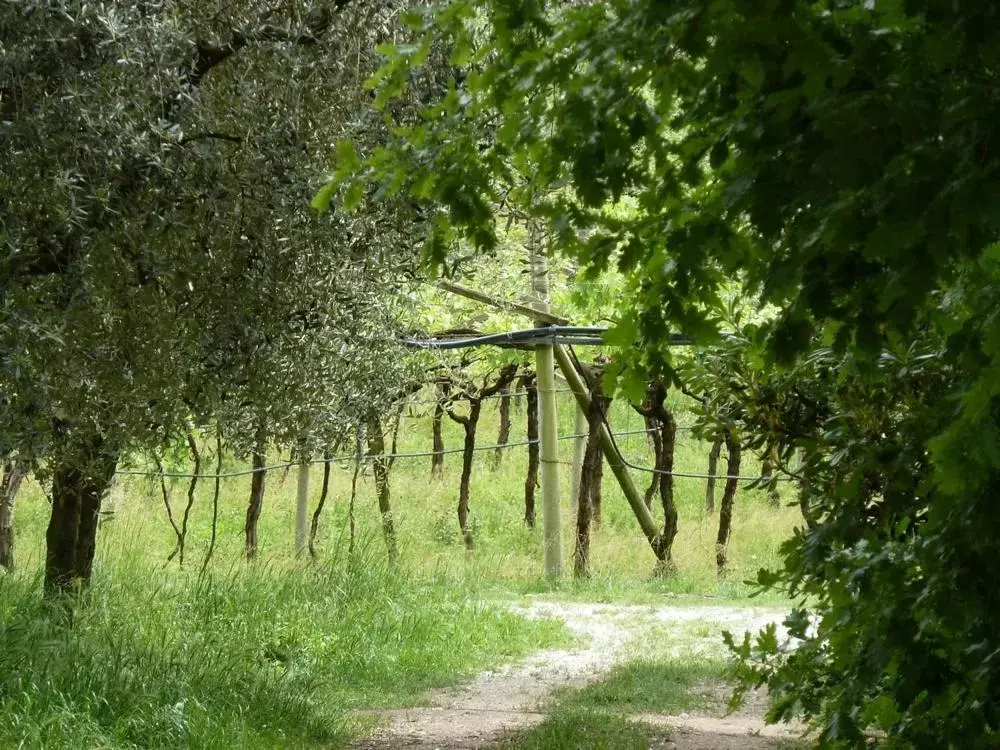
x=503 y=435
x=653 y=433
x=655 y=413
x=258 y=462
x=469 y=424
x=713 y=467
x=531 y=480
x=593 y=461
x=768 y=465
x=314 y=526
x=728 y=495
x=14 y=472
x=597 y=485
x=437 y=456
x=192 y=487
x=380 y=469
x=83 y=472
x=668 y=440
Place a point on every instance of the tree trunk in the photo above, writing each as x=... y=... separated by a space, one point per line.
x=258 y=463
x=82 y=474
x=668 y=441
x=653 y=432
x=380 y=470
x=215 y=499
x=593 y=461
x=657 y=417
x=192 y=486
x=437 y=457
x=14 y=472
x=531 y=481
x=597 y=485
x=358 y=458
x=324 y=491
x=713 y=466
x=767 y=469
x=504 y=434
x=726 y=508
x=468 y=453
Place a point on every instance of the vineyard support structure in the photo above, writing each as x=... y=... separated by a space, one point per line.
x=635 y=499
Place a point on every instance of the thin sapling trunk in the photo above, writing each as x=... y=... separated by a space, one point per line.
x=192 y=486
x=14 y=472
x=165 y=493
x=531 y=480
x=258 y=462
x=215 y=501
x=380 y=469
x=324 y=491
x=768 y=466
x=470 y=423
x=728 y=495
x=503 y=435
x=713 y=467
x=437 y=456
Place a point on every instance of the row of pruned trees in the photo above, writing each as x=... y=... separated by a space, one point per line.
x=461 y=398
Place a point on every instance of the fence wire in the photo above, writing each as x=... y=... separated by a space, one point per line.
x=367 y=458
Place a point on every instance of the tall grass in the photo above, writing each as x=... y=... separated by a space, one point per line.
x=253 y=657
x=274 y=654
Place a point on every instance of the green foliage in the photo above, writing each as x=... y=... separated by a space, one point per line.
x=834 y=159
x=158 y=257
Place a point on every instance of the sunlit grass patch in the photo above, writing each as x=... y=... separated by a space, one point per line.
x=254 y=657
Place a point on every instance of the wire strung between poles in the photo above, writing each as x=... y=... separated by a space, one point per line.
x=426 y=454
x=664 y=472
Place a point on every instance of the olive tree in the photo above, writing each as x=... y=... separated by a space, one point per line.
x=159 y=261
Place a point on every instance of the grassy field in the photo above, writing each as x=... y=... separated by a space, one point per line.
x=278 y=651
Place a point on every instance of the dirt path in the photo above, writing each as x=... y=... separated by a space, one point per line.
x=494 y=704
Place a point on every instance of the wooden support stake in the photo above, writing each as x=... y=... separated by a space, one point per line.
x=632 y=494
x=542 y=315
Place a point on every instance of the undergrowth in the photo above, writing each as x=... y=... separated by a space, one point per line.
x=254 y=657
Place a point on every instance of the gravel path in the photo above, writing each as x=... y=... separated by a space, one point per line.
x=479 y=713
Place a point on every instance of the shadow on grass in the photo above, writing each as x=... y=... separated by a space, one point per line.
x=596 y=716
x=663 y=687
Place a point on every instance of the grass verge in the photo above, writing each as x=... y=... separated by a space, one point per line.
x=255 y=657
